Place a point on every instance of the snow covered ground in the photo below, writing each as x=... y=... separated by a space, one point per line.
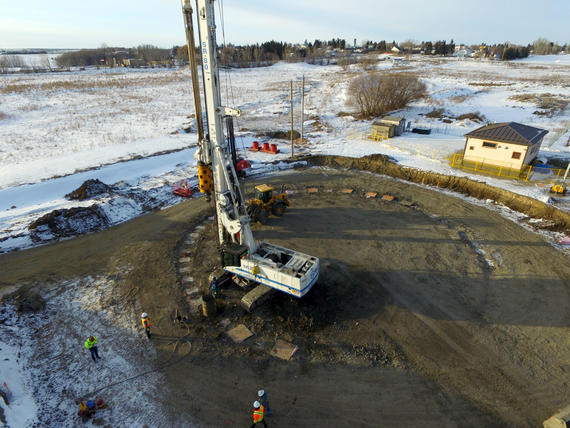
x=87 y=305
x=123 y=128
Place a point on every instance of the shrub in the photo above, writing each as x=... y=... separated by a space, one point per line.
x=374 y=94
x=437 y=113
x=475 y=117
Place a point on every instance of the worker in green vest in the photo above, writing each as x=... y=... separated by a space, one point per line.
x=91 y=344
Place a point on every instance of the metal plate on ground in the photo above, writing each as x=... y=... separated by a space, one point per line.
x=240 y=333
x=284 y=350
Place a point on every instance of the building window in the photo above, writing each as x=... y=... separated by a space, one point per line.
x=490 y=145
x=471 y=147
x=516 y=155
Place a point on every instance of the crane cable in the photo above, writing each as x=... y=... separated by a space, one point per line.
x=228 y=78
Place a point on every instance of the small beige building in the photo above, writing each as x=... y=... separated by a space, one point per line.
x=398 y=122
x=509 y=144
x=382 y=130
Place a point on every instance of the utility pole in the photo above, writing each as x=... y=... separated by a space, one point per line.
x=302 y=108
x=291 y=98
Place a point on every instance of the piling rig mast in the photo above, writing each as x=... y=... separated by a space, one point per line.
x=283 y=269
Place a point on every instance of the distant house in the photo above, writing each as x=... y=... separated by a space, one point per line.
x=399 y=123
x=396 y=49
x=509 y=144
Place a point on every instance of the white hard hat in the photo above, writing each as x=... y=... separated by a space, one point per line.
x=144 y=315
x=260 y=392
x=256 y=405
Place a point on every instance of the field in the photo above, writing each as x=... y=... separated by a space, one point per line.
x=435 y=308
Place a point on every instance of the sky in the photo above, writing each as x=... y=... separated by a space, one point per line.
x=78 y=24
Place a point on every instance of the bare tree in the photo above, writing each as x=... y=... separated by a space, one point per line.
x=374 y=94
x=10 y=62
x=409 y=45
x=544 y=46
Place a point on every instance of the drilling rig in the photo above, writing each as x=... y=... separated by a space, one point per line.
x=274 y=266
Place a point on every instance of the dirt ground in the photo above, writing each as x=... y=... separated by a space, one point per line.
x=429 y=311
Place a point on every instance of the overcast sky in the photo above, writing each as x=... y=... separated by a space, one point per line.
x=89 y=24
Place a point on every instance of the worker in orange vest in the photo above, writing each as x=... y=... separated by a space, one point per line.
x=146 y=323
x=258 y=411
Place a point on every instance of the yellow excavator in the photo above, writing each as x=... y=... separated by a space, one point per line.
x=266 y=200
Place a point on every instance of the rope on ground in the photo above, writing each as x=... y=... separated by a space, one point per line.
x=161 y=366
x=128 y=297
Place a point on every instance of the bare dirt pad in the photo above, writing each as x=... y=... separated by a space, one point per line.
x=556 y=219
x=429 y=311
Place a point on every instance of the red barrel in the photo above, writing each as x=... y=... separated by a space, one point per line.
x=255 y=145
x=274 y=148
x=266 y=146
x=242 y=164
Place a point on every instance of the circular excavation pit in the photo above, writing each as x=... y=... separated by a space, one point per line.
x=429 y=310
x=414 y=284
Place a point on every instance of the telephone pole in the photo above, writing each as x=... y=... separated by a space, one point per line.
x=302 y=108
x=291 y=98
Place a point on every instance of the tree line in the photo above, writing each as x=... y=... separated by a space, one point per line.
x=141 y=55
x=269 y=52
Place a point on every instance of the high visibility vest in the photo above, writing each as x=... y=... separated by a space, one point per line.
x=258 y=414
x=82 y=406
x=146 y=322
x=89 y=344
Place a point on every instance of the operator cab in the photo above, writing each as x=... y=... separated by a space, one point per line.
x=264 y=193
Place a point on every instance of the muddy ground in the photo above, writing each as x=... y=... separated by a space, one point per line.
x=429 y=311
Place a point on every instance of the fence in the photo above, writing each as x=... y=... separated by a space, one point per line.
x=402 y=145
x=528 y=172
x=481 y=166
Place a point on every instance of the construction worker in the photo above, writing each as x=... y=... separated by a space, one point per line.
x=91 y=344
x=82 y=413
x=264 y=400
x=258 y=411
x=214 y=286
x=146 y=323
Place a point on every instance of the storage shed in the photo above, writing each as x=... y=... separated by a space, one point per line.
x=398 y=122
x=381 y=130
x=511 y=145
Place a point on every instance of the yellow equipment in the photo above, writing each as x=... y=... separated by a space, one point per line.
x=205 y=179
x=266 y=201
x=558 y=188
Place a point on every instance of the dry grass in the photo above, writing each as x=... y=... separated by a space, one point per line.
x=441 y=114
x=549 y=104
x=108 y=81
x=437 y=113
x=3 y=116
x=29 y=107
x=490 y=84
x=475 y=117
